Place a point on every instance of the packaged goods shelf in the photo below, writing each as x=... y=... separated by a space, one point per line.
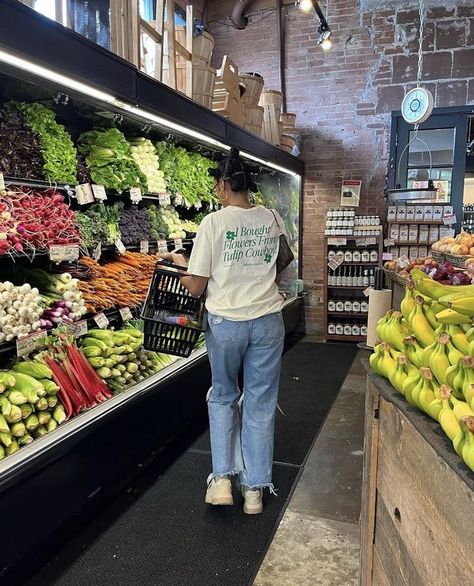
x=429 y=222
x=337 y=338
x=347 y=314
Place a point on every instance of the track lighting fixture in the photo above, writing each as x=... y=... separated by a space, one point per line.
x=324 y=31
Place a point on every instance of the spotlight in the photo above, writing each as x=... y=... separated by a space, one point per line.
x=326 y=45
x=305 y=5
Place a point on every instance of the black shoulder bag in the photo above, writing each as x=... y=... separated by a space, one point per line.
x=285 y=254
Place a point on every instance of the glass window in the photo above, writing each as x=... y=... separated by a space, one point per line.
x=439 y=141
x=418 y=178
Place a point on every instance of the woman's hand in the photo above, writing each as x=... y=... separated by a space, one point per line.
x=175 y=258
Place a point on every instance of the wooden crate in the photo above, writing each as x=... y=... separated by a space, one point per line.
x=418 y=498
x=203 y=47
x=271 y=101
x=287 y=142
x=253 y=88
x=228 y=76
x=229 y=107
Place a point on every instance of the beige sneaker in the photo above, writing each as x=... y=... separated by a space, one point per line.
x=219 y=492
x=253 y=504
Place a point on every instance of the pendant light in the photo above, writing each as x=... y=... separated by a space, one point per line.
x=324 y=31
x=417 y=107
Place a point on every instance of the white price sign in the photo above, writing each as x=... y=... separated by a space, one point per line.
x=164 y=199
x=367 y=291
x=63 y=252
x=97 y=253
x=101 y=320
x=120 y=246
x=334 y=262
x=99 y=192
x=178 y=244
x=403 y=261
x=361 y=241
x=389 y=242
x=126 y=313
x=30 y=343
x=449 y=219
x=2 y=182
x=178 y=199
x=78 y=328
x=144 y=246
x=337 y=241
x=387 y=256
x=162 y=246
x=369 y=241
x=84 y=194
x=135 y=194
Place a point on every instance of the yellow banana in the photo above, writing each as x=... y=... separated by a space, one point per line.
x=454 y=356
x=468 y=447
x=419 y=324
x=423 y=394
x=395 y=331
x=434 y=408
x=380 y=327
x=468 y=393
x=438 y=360
x=408 y=386
x=374 y=359
x=430 y=315
x=463 y=304
x=460 y=439
x=413 y=350
x=449 y=316
x=460 y=408
x=408 y=302
x=437 y=291
x=426 y=355
x=458 y=338
x=447 y=419
x=386 y=363
x=402 y=371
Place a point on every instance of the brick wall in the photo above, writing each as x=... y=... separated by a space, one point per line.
x=344 y=98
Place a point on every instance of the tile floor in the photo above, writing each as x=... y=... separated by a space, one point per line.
x=317 y=542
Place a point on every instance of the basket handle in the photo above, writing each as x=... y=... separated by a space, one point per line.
x=167 y=263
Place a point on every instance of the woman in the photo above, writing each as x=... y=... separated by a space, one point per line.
x=234 y=256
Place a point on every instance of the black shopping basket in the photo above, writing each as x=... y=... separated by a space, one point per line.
x=168 y=302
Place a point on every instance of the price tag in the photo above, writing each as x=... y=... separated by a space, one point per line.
x=101 y=320
x=99 y=192
x=78 y=328
x=164 y=199
x=178 y=244
x=135 y=194
x=2 y=182
x=97 y=252
x=337 y=241
x=361 y=242
x=84 y=194
x=63 y=252
x=30 y=343
x=198 y=205
x=387 y=256
x=367 y=291
x=144 y=246
x=449 y=219
x=162 y=246
x=403 y=261
x=432 y=273
x=178 y=199
x=120 y=246
x=125 y=313
x=389 y=242
x=334 y=262
x=369 y=241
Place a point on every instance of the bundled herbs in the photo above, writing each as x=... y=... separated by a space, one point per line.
x=146 y=157
x=186 y=173
x=20 y=153
x=109 y=160
x=57 y=148
x=134 y=224
x=92 y=225
x=159 y=228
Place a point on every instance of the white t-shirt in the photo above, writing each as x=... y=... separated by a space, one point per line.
x=236 y=248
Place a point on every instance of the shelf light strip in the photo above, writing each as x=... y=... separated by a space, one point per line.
x=64 y=80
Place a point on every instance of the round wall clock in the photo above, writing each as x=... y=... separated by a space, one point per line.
x=417 y=105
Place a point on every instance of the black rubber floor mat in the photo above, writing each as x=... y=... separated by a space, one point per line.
x=311 y=376
x=168 y=536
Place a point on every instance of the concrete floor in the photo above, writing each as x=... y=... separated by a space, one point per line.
x=317 y=542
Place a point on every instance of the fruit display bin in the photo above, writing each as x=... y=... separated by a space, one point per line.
x=418 y=496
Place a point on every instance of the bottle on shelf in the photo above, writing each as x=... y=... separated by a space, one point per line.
x=372 y=277
x=339 y=329
x=356 y=306
x=348 y=306
x=355 y=329
x=331 y=328
x=360 y=278
x=366 y=278
x=347 y=329
x=338 y=277
x=363 y=330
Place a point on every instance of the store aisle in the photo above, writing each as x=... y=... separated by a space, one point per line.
x=317 y=541
x=159 y=531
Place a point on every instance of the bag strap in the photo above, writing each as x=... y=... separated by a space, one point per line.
x=277 y=222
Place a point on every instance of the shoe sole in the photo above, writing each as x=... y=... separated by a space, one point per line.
x=253 y=510
x=223 y=500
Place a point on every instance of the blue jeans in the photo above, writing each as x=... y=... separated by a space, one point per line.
x=242 y=441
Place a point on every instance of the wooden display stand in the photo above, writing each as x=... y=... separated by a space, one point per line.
x=418 y=497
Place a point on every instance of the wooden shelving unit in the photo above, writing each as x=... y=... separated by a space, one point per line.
x=352 y=291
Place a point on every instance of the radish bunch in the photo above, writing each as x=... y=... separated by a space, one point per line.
x=31 y=221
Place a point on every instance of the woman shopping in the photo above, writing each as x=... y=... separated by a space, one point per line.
x=234 y=256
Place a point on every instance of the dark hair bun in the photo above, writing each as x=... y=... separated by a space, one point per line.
x=234 y=153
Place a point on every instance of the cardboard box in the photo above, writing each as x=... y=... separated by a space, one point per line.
x=403 y=233
x=434 y=234
x=404 y=250
x=413 y=233
x=413 y=254
x=392 y=213
x=423 y=233
x=394 y=232
x=437 y=212
x=395 y=252
x=445 y=231
x=410 y=213
x=428 y=213
x=422 y=251
x=401 y=213
x=419 y=213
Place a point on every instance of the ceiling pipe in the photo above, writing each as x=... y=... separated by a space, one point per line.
x=237 y=16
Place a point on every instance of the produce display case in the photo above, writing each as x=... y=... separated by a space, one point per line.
x=99 y=450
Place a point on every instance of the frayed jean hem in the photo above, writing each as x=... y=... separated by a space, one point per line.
x=233 y=472
x=268 y=485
